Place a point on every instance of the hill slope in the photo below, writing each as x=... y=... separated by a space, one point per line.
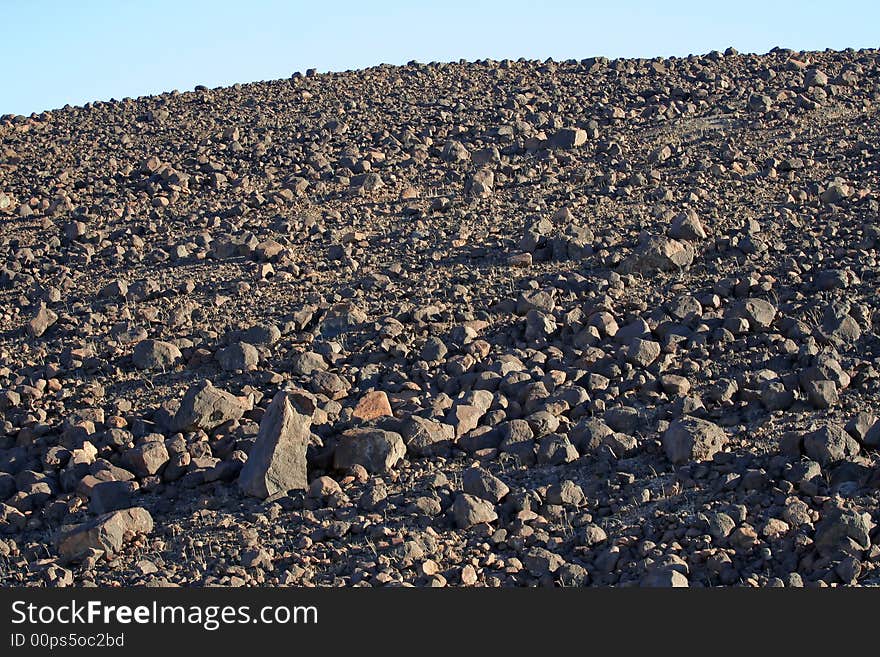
x=596 y=322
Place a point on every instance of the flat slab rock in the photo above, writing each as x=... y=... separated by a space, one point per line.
x=108 y=532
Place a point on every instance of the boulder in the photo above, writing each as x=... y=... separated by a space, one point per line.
x=277 y=461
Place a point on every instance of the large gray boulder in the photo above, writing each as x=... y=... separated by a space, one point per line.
x=277 y=461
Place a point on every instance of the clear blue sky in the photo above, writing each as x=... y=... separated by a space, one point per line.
x=55 y=52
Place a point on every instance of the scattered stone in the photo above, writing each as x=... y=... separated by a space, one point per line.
x=425 y=437
x=109 y=533
x=569 y=138
x=642 y=352
x=148 y=458
x=693 y=439
x=238 y=356
x=759 y=313
x=483 y=484
x=829 y=444
x=541 y=562
x=687 y=226
x=659 y=254
x=41 y=321
x=470 y=510
x=505 y=323
x=665 y=578
x=372 y=405
x=206 y=407
x=155 y=355
x=842 y=524
x=375 y=449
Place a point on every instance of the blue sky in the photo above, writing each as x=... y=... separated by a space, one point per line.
x=73 y=51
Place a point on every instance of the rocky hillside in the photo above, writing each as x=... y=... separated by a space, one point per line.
x=505 y=323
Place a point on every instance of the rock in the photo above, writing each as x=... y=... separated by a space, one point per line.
x=535 y=300
x=829 y=444
x=341 y=319
x=642 y=352
x=329 y=384
x=839 y=326
x=822 y=394
x=115 y=290
x=665 y=578
x=372 y=405
x=693 y=439
x=759 y=313
x=572 y=574
x=109 y=496
x=520 y=260
x=481 y=183
x=7 y=202
x=468 y=575
x=842 y=524
x=872 y=436
x=564 y=284
x=277 y=461
x=860 y=425
x=375 y=449
x=464 y=418
x=687 y=226
x=659 y=254
x=483 y=484
x=455 y=151
x=147 y=458
x=675 y=385
x=261 y=334
x=238 y=356
x=759 y=103
x=324 y=487
x=588 y=434
x=155 y=355
x=569 y=138
x=206 y=407
x=555 y=449
x=539 y=325
x=425 y=437
x=41 y=321
x=109 y=532
x=307 y=363
x=592 y=535
x=469 y=510
x=11 y=519
x=835 y=193
x=815 y=78
x=433 y=350
x=566 y=493
x=830 y=279
x=540 y=562
x=825 y=370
